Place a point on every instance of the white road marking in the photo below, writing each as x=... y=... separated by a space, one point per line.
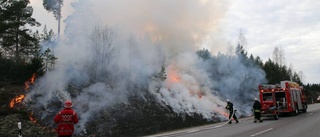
x=309 y=114
x=262 y=132
x=218 y=126
x=191 y=131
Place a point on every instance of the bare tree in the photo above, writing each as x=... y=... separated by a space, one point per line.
x=291 y=71
x=301 y=76
x=132 y=46
x=230 y=49
x=133 y=51
x=279 y=56
x=242 y=40
x=102 y=41
x=241 y=45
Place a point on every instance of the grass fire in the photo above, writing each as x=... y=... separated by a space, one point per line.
x=139 y=74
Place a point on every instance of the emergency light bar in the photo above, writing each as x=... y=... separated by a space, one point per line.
x=267 y=86
x=289 y=84
x=283 y=84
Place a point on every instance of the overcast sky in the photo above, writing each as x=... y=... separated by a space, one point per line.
x=293 y=25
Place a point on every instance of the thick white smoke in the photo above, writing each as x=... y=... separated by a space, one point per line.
x=110 y=45
x=188 y=88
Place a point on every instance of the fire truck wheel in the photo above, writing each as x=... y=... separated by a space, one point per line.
x=297 y=111
x=276 y=117
x=305 y=108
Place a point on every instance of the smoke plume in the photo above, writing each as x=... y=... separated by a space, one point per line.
x=116 y=48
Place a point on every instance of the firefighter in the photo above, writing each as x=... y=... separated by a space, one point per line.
x=257 y=110
x=232 y=113
x=66 y=119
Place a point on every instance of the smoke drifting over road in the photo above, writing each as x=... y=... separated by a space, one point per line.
x=116 y=48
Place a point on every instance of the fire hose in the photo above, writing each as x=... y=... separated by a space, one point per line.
x=230 y=117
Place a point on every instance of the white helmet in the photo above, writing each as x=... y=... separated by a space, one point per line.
x=256 y=99
x=68 y=104
x=228 y=100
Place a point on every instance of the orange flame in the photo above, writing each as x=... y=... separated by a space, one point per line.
x=32 y=118
x=174 y=77
x=221 y=112
x=19 y=99
x=30 y=81
x=225 y=114
x=16 y=100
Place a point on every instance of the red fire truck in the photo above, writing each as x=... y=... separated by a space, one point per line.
x=286 y=97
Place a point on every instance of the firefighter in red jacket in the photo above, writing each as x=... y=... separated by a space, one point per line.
x=66 y=119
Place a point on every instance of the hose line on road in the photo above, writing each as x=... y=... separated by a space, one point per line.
x=230 y=117
x=227 y=121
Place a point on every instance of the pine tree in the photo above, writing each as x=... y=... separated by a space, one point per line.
x=15 y=38
x=53 y=6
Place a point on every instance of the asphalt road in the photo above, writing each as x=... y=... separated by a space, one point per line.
x=302 y=125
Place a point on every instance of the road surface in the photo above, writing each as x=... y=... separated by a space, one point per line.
x=302 y=125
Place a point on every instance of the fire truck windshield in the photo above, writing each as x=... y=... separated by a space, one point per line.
x=267 y=96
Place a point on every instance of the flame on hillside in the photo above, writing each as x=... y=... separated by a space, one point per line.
x=224 y=113
x=29 y=82
x=174 y=77
x=18 y=99
x=32 y=118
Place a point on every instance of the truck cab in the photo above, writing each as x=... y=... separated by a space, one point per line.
x=269 y=104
